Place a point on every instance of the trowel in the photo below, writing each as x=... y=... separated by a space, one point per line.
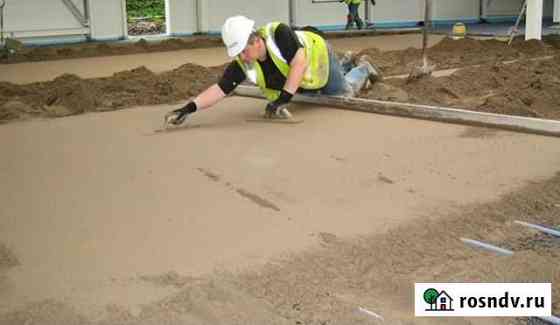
x=168 y=124
x=283 y=117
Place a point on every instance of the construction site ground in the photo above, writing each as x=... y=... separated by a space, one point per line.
x=105 y=221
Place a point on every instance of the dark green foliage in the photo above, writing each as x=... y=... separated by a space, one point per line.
x=430 y=296
x=145 y=8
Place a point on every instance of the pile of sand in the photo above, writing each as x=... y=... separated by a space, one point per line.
x=70 y=94
x=82 y=50
x=449 y=53
x=526 y=87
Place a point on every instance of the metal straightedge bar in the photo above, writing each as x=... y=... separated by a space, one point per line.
x=443 y=114
x=546 y=230
x=488 y=247
x=370 y=313
x=552 y=320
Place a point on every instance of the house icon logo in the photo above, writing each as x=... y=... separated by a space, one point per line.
x=438 y=301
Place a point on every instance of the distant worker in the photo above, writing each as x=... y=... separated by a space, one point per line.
x=281 y=62
x=353 y=15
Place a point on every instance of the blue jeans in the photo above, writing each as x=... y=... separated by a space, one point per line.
x=344 y=80
x=354 y=16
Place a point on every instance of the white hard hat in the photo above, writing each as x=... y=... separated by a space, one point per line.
x=235 y=34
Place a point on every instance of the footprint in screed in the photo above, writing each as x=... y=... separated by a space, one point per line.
x=337 y=158
x=385 y=179
x=328 y=238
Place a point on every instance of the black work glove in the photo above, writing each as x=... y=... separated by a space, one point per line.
x=274 y=107
x=178 y=116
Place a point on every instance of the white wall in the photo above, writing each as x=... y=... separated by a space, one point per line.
x=331 y=14
x=455 y=9
x=39 y=16
x=321 y=14
x=512 y=7
x=215 y=12
x=181 y=17
x=502 y=7
x=106 y=19
x=557 y=11
x=388 y=11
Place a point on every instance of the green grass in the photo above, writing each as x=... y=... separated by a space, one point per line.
x=145 y=8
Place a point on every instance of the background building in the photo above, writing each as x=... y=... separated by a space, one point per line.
x=52 y=21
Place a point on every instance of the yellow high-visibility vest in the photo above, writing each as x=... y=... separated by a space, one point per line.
x=316 y=53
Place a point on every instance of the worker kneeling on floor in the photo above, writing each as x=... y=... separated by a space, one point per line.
x=280 y=61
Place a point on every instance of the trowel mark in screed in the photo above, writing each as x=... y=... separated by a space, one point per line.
x=257 y=199
x=174 y=129
x=209 y=174
x=170 y=278
x=246 y=194
x=478 y=132
x=338 y=158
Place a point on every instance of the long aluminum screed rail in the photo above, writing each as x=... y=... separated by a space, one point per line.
x=426 y=112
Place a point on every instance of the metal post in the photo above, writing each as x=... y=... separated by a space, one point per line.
x=428 y=14
x=556 y=18
x=533 y=21
x=87 y=18
x=427 y=26
x=367 y=14
x=86 y=10
x=124 y=23
x=2 y=4
x=292 y=13
x=199 y=15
